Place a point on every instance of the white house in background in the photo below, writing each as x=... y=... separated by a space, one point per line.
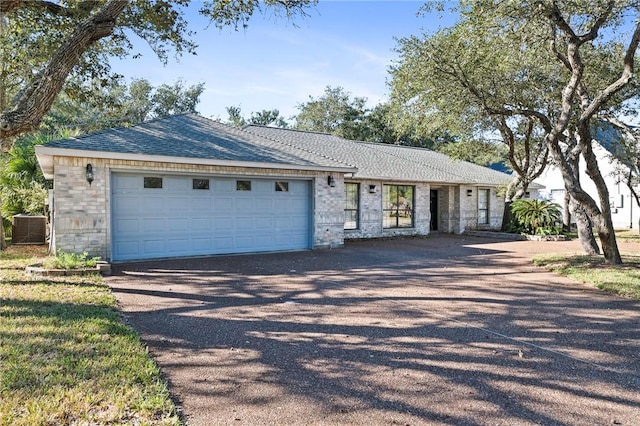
x=186 y=186
x=624 y=210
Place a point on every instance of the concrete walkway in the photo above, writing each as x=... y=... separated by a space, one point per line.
x=440 y=330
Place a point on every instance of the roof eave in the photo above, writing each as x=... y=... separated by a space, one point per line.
x=45 y=156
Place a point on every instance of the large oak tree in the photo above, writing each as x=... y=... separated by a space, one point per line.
x=540 y=63
x=44 y=42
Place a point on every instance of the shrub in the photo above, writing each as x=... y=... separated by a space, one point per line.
x=537 y=217
x=65 y=260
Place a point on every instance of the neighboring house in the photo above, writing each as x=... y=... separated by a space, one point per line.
x=625 y=213
x=186 y=186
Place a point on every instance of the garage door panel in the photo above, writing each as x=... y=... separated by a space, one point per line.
x=244 y=204
x=155 y=246
x=264 y=204
x=153 y=225
x=201 y=204
x=177 y=220
x=124 y=226
x=153 y=204
x=201 y=244
x=244 y=223
x=200 y=224
x=224 y=224
x=244 y=242
x=126 y=204
x=223 y=244
x=224 y=204
x=179 y=224
x=178 y=245
x=178 y=204
x=225 y=185
x=261 y=223
x=126 y=182
x=177 y=183
x=127 y=248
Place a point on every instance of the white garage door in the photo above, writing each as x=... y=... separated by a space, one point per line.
x=168 y=216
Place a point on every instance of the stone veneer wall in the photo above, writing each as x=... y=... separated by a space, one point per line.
x=469 y=209
x=371 y=212
x=82 y=213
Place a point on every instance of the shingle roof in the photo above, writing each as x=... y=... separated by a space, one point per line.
x=192 y=136
x=384 y=161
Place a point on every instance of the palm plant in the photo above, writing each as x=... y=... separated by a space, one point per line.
x=537 y=217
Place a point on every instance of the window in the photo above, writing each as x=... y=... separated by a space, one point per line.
x=152 y=182
x=201 y=184
x=243 y=185
x=282 y=186
x=397 y=207
x=483 y=206
x=351 y=205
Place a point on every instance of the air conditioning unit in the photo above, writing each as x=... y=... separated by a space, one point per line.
x=29 y=229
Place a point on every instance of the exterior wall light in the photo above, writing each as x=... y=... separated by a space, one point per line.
x=89 y=173
x=372 y=189
x=331 y=181
x=469 y=192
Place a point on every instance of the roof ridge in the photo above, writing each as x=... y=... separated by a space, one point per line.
x=295 y=146
x=313 y=132
x=464 y=179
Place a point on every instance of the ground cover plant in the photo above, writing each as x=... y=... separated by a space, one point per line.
x=65 y=355
x=64 y=260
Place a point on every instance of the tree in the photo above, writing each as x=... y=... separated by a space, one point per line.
x=265 y=117
x=37 y=62
x=479 y=152
x=120 y=105
x=452 y=81
x=543 y=64
x=23 y=187
x=334 y=112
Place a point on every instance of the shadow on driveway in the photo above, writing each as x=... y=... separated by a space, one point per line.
x=439 y=330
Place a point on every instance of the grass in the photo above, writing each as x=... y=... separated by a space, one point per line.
x=628 y=235
x=65 y=355
x=623 y=280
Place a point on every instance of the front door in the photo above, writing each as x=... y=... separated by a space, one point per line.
x=434 y=210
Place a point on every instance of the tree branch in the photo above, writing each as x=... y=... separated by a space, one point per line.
x=7 y=6
x=34 y=103
x=617 y=85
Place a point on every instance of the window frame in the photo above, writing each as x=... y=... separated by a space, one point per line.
x=398 y=210
x=198 y=184
x=281 y=186
x=240 y=185
x=352 y=210
x=483 y=212
x=147 y=182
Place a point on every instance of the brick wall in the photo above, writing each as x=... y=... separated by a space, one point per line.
x=82 y=216
x=82 y=212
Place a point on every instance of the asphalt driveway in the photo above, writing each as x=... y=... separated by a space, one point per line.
x=439 y=330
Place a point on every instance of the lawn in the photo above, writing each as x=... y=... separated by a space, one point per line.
x=623 y=280
x=67 y=358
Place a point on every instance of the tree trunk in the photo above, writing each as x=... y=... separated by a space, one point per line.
x=585 y=229
x=566 y=213
x=602 y=221
x=507 y=217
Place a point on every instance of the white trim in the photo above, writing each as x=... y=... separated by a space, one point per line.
x=45 y=158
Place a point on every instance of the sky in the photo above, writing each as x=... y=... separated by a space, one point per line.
x=279 y=64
